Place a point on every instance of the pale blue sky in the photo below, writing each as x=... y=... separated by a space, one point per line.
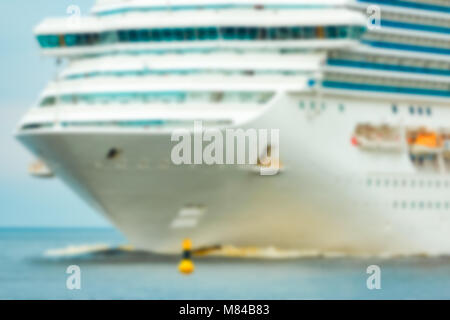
x=27 y=201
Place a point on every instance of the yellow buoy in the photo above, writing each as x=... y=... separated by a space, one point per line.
x=186 y=265
x=187 y=245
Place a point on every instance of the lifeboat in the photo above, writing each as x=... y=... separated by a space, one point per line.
x=425 y=142
x=371 y=137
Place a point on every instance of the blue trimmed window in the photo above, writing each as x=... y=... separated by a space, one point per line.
x=243 y=33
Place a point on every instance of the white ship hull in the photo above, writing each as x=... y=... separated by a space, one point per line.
x=325 y=199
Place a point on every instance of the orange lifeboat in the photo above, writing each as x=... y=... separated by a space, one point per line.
x=428 y=139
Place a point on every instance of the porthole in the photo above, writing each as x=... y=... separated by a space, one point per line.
x=394 y=109
x=429 y=111
x=420 y=111
x=411 y=110
x=113 y=153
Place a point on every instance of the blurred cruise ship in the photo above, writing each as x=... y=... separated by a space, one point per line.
x=362 y=104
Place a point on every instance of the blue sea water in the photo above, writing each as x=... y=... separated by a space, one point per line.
x=26 y=273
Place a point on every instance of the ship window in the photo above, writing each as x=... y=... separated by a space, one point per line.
x=228 y=33
x=253 y=33
x=144 y=35
x=394 y=109
x=297 y=33
x=202 y=33
x=71 y=40
x=48 y=41
x=411 y=110
x=178 y=34
x=48 y=101
x=207 y=33
x=429 y=111
x=283 y=33
x=132 y=35
x=272 y=33
x=242 y=33
x=341 y=107
x=420 y=110
x=156 y=35
x=189 y=34
x=262 y=34
x=309 y=32
x=92 y=38
x=356 y=32
x=123 y=36
x=343 y=32
x=109 y=37
x=167 y=35
x=331 y=32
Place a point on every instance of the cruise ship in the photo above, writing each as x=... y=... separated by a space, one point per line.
x=359 y=91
